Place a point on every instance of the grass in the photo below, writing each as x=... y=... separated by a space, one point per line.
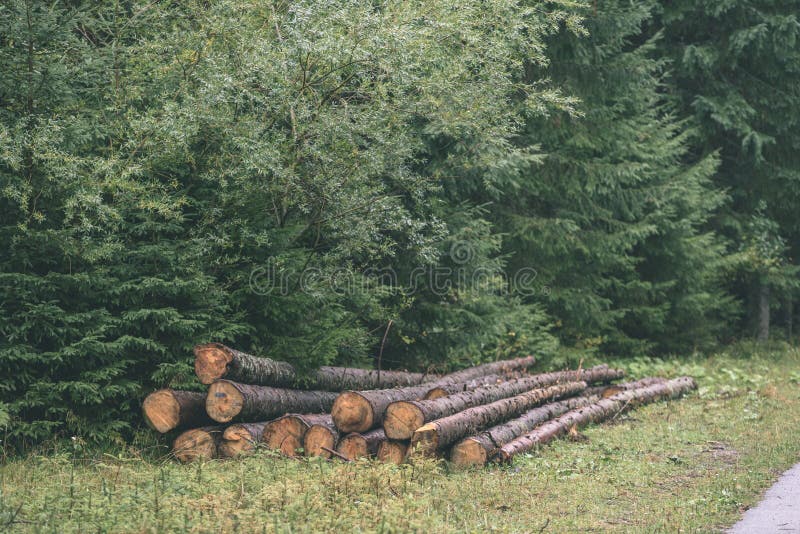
x=691 y=465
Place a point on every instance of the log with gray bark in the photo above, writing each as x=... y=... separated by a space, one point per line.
x=479 y=448
x=598 y=411
x=168 y=409
x=198 y=444
x=359 y=411
x=240 y=439
x=286 y=433
x=361 y=445
x=442 y=432
x=437 y=392
x=214 y=361
x=402 y=418
x=227 y=401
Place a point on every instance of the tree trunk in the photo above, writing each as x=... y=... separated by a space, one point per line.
x=763 y=313
x=286 y=433
x=441 y=432
x=167 y=409
x=320 y=437
x=228 y=400
x=402 y=418
x=214 y=361
x=241 y=439
x=359 y=411
x=478 y=449
x=198 y=443
x=356 y=445
x=598 y=411
x=612 y=389
x=449 y=389
x=789 y=313
x=393 y=451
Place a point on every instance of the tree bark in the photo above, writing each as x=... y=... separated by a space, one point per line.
x=359 y=411
x=198 y=444
x=214 y=361
x=449 y=389
x=763 y=312
x=241 y=439
x=402 y=418
x=598 y=411
x=478 y=449
x=357 y=445
x=441 y=432
x=286 y=433
x=167 y=409
x=228 y=400
x=393 y=451
x=320 y=437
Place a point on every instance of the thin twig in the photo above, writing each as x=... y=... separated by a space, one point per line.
x=380 y=354
x=338 y=455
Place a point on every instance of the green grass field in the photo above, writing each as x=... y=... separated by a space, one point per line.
x=691 y=465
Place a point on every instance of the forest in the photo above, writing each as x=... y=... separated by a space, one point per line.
x=421 y=185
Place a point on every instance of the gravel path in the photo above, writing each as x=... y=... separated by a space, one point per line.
x=778 y=512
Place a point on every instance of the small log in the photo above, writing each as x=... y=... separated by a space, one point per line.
x=214 y=361
x=359 y=411
x=393 y=451
x=320 y=439
x=402 y=418
x=228 y=400
x=168 y=409
x=286 y=433
x=438 y=434
x=598 y=411
x=478 y=449
x=198 y=443
x=241 y=439
x=356 y=445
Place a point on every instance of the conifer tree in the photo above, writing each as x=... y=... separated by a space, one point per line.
x=736 y=72
x=612 y=220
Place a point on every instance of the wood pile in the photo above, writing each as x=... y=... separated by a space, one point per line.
x=487 y=413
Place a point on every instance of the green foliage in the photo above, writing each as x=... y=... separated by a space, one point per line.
x=612 y=220
x=737 y=73
x=471 y=180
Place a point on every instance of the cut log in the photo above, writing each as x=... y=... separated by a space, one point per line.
x=168 y=409
x=320 y=439
x=393 y=451
x=241 y=439
x=402 y=418
x=286 y=433
x=478 y=449
x=613 y=389
x=444 y=390
x=198 y=444
x=442 y=432
x=595 y=412
x=215 y=361
x=357 y=445
x=228 y=400
x=359 y=411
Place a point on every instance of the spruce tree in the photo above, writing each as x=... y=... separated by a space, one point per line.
x=612 y=220
x=736 y=72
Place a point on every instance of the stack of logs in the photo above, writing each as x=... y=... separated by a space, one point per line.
x=487 y=413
